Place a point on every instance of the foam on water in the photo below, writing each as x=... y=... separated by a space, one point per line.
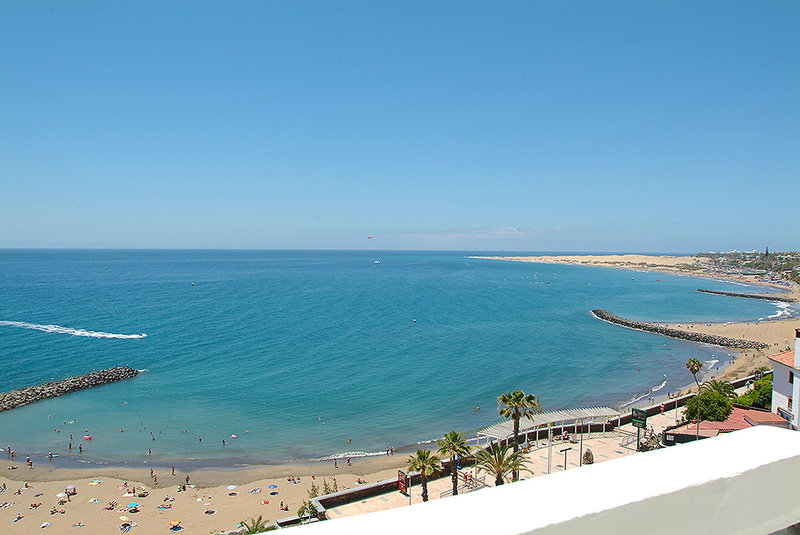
x=646 y=394
x=784 y=310
x=69 y=330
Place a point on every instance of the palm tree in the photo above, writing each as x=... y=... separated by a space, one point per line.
x=720 y=387
x=515 y=405
x=453 y=445
x=256 y=525
x=694 y=366
x=426 y=464
x=498 y=461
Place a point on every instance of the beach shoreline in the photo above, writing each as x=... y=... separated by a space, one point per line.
x=778 y=334
x=744 y=363
x=211 y=483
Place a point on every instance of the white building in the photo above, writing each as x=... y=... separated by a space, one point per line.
x=786 y=384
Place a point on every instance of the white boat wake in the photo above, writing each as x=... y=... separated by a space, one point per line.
x=68 y=330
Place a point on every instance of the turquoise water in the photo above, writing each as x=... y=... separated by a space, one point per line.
x=297 y=352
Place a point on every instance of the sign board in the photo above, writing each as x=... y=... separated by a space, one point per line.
x=639 y=418
x=402 y=482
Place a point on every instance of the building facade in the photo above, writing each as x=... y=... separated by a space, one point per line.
x=786 y=383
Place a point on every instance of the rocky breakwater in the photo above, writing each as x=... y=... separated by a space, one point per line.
x=30 y=394
x=676 y=333
x=766 y=297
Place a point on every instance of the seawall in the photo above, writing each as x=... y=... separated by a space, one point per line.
x=31 y=394
x=675 y=333
x=765 y=297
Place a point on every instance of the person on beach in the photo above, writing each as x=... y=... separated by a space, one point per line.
x=335 y=464
x=187 y=479
x=80 y=448
x=173 y=470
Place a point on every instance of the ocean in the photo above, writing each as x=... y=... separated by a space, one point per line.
x=304 y=355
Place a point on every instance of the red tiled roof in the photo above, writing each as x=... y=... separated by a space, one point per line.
x=786 y=358
x=739 y=419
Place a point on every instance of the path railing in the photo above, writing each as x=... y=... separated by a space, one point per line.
x=469 y=486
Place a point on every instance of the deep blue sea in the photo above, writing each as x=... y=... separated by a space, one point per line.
x=296 y=352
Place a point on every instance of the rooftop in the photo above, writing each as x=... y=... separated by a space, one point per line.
x=786 y=358
x=740 y=418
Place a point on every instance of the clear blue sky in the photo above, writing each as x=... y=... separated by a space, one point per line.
x=525 y=125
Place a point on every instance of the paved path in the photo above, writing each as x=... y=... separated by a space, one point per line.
x=604 y=446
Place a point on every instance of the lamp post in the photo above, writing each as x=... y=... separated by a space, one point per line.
x=676 y=408
x=564 y=451
x=698 y=416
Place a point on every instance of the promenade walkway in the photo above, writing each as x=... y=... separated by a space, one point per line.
x=604 y=446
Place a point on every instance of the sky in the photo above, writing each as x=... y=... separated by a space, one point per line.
x=489 y=126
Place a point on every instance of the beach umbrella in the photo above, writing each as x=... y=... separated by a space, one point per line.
x=175 y=523
x=273 y=486
x=124 y=518
x=60 y=495
x=70 y=487
x=231 y=487
x=134 y=504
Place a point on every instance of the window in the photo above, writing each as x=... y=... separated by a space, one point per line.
x=790 y=403
x=791 y=377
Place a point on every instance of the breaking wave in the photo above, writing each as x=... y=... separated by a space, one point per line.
x=69 y=330
x=646 y=394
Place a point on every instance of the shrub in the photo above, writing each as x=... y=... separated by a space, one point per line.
x=760 y=395
x=714 y=407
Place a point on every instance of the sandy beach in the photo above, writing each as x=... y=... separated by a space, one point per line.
x=208 y=491
x=209 y=504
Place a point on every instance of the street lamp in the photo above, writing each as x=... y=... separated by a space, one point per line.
x=564 y=451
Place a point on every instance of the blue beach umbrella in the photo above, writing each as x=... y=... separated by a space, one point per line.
x=273 y=486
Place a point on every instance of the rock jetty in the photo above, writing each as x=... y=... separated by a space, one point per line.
x=766 y=297
x=30 y=394
x=675 y=333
